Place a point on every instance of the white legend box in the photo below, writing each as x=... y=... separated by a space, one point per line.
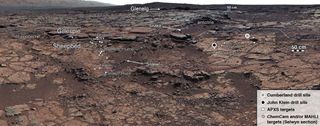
x=288 y=107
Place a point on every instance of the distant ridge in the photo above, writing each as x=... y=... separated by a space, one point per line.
x=50 y=4
x=186 y=6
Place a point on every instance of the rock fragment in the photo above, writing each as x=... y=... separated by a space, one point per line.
x=58 y=81
x=77 y=114
x=16 y=110
x=3 y=65
x=196 y=76
x=20 y=77
x=31 y=86
x=179 y=36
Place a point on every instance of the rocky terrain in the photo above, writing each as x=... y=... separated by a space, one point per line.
x=175 y=67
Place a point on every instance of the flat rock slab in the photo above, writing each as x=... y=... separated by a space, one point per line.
x=16 y=110
x=139 y=30
x=124 y=38
x=20 y=77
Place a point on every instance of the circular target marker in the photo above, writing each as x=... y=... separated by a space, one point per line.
x=247 y=36
x=214 y=45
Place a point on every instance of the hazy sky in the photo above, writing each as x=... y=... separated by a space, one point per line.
x=122 y=2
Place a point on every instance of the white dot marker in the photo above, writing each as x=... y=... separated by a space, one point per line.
x=247 y=36
x=214 y=45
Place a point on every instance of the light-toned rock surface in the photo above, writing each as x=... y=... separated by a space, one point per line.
x=20 y=77
x=16 y=110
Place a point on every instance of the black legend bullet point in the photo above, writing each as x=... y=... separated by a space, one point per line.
x=262 y=102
